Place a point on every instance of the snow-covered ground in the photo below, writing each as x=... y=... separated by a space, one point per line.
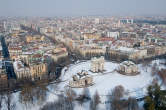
x=103 y=83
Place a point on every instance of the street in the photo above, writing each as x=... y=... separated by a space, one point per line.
x=7 y=63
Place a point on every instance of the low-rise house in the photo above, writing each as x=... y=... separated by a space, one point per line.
x=160 y=50
x=33 y=38
x=3 y=79
x=1 y=52
x=97 y=64
x=35 y=70
x=124 y=53
x=14 y=51
x=38 y=70
x=139 y=54
x=91 y=35
x=91 y=51
x=58 y=54
x=81 y=80
x=151 y=50
x=128 y=68
x=21 y=71
x=29 y=57
x=113 y=34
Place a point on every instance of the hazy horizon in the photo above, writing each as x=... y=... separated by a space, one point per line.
x=82 y=7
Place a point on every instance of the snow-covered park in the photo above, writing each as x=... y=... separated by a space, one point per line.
x=104 y=83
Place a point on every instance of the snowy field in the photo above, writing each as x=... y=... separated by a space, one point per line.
x=103 y=83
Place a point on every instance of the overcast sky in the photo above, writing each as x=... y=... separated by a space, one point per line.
x=81 y=7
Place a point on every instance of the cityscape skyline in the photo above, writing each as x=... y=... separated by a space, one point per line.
x=82 y=7
x=82 y=55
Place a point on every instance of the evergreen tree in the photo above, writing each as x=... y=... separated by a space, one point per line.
x=156 y=99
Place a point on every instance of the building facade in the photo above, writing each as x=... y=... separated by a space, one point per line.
x=33 y=71
x=128 y=68
x=97 y=64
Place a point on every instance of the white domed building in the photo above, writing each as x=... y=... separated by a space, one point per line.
x=128 y=68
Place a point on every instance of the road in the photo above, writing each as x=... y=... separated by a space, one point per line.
x=8 y=63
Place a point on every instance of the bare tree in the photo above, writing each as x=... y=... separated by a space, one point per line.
x=1 y=99
x=86 y=93
x=154 y=69
x=71 y=95
x=85 y=96
x=118 y=92
x=132 y=104
x=155 y=81
x=8 y=101
x=62 y=104
x=33 y=94
x=162 y=75
x=146 y=63
x=95 y=101
x=118 y=104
